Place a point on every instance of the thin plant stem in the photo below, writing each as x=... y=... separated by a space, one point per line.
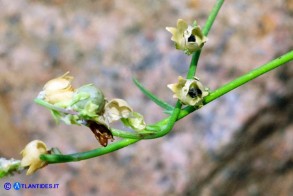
x=212 y=16
x=58 y=158
x=171 y=122
x=206 y=29
x=249 y=76
x=193 y=65
x=240 y=81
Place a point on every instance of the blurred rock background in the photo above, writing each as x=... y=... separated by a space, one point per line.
x=240 y=144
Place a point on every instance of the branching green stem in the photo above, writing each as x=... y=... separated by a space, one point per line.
x=150 y=133
x=164 y=126
x=249 y=76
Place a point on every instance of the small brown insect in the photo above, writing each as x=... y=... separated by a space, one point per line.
x=101 y=132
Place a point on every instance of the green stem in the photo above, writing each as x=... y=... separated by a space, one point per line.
x=249 y=76
x=171 y=122
x=217 y=93
x=206 y=29
x=193 y=65
x=240 y=81
x=212 y=16
x=135 y=135
x=58 y=158
x=152 y=131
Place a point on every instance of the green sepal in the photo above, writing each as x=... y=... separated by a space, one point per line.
x=88 y=101
x=56 y=115
x=55 y=150
x=71 y=119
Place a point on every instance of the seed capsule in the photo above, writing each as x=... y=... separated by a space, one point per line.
x=88 y=100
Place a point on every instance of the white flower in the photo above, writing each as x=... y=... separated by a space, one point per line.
x=31 y=156
x=117 y=109
x=189 y=91
x=187 y=38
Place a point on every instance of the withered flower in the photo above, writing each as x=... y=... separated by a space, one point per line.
x=117 y=109
x=101 y=132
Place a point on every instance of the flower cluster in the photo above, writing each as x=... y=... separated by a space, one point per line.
x=187 y=38
x=87 y=106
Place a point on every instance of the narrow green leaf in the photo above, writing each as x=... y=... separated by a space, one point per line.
x=169 y=112
x=153 y=97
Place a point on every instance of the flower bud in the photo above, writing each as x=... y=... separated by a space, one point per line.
x=88 y=101
x=31 y=156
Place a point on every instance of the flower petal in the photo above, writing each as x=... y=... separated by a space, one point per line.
x=117 y=109
x=181 y=26
x=135 y=121
x=58 y=90
x=189 y=91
